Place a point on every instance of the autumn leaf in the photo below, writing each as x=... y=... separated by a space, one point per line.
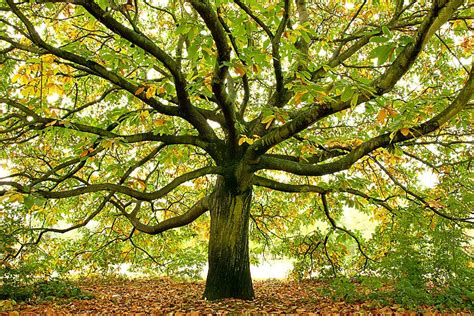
x=255 y=69
x=268 y=120
x=298 y=96
x=405 y=131
x=86 y=152
x=381 y=116
x=52 y=123
x=159 y=122
x=435 y=204
x=49 y=58
x=139 y=90
x=240 y=69
x=150 y=92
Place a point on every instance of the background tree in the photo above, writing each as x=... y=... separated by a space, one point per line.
x=141 y=116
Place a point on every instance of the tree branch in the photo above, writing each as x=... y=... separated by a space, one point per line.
x=335 y=226
x=227 y=105
x=377 y=142
x=191 y=215
x=307 y=117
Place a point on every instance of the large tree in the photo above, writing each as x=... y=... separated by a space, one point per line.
x=158 y=112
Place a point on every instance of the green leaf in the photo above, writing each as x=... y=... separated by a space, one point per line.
x=103 y=4
x=347 y=94
x=379 y=39
x=381 y=53
x=354 y=99
x=405 y=40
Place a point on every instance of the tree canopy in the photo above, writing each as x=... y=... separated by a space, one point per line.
x=280 y=119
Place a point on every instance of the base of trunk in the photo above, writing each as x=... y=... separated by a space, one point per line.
x=220 y=285
x=229 y=265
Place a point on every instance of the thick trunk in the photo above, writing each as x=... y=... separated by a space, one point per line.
x=229 y=267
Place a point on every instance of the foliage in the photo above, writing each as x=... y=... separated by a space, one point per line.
x=41 y=290
x=133 y=133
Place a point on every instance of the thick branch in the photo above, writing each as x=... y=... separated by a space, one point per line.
x=192 y=115
x=191 y=215
x=307 y=117
x=105 y=133
x=377 y=142
x=204 y=8
x=111 y=187
x=285 y=187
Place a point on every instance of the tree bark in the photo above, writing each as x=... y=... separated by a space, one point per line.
x=229 y=267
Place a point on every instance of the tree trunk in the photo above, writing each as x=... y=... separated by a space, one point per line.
x=229 y=267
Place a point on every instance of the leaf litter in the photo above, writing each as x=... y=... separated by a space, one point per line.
x=174 y=297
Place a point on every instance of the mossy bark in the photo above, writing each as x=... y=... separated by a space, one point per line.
x=229 y=267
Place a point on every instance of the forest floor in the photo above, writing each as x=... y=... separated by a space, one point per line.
x=166 y=296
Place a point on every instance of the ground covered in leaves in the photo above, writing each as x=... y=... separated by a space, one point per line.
x=165 y=296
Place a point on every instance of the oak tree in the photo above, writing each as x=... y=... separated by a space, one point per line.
x=138 y=117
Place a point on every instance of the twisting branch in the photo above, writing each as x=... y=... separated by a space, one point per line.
x=457 y=105
x=451 y=52
x=335 y=226
x=43 y=231
x=284 y=187
x=99 y=209
x=325 y=243
x=306 y=117
x=245 y=78
x=203 y=7
x=469 y=220
x=303 y=17
x=279 y=98
x=186 y=110
x=257 y=20
x=354 y=17
x=192 y=115
x=191 y=215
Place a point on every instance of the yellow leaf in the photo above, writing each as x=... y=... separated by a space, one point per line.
x=242 y=140
x=150 y=92
x=24 y=79
x=299 y=95
x=54 y=88
x=16 y=77
x=139 y=90
x=382 y=115
x=159 y=121
x=268 y=120
x=108 y=144
x=49 y=59
x=144 y=115
x=405 y=131
x=435 y=204
x=16 y=197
